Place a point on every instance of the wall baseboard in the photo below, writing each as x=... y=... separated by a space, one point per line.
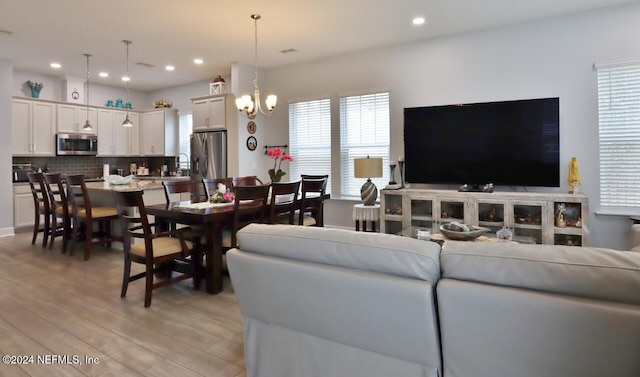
x=6 y=232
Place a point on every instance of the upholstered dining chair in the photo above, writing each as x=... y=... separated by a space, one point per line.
x=211 y=184
x=311 y=211
x=61 y=210
x=283 y=202
x=250 y=206
x=85 y=215
x=157 y=250
x=41 y=206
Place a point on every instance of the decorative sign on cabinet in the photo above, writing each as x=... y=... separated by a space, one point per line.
x=33 y=128
x=528 y=215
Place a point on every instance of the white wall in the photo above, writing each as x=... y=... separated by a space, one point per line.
x=6 y=204
x=546 y=58
x=53 y=87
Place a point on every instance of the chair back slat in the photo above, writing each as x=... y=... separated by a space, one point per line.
x=312 y=201
x=77 y=194
x=39 y=191
x=283 y=202
x=128 y=203
x=182 y=186
x=57 y=196
x=249 y=180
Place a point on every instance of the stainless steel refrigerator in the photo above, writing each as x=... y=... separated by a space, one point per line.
x=209 y=154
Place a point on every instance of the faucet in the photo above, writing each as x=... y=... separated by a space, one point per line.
x=179 y=162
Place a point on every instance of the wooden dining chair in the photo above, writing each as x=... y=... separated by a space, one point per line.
x=42 y=207
x=85 y=215
x=211 y=184
x=283 y=202
x=250 y=206
x=249 y=180
x=172 y=189
x=313 y=189
x=61 y=210
x=157 y=250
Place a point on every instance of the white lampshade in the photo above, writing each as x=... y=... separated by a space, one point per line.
x=368 y=167
x=271 y=101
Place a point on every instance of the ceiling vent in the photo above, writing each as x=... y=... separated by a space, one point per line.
x=288 y=51
x=146 y=65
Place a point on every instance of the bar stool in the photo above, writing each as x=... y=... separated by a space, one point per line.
x=60 y=209
x=41 y=205
x=85 y=215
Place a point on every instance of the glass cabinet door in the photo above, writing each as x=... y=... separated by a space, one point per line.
x=491 y=214
x=422 y=212
x=451 y=209
x=528 y=222
x=567 y=223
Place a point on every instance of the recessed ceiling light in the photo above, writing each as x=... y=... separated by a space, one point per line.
x=55 y=65
x=418 y=21
x=126 y=78
x=103 y=74
x=198 y=61
x=170 y=68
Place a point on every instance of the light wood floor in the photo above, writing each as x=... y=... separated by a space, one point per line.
x=54 y=304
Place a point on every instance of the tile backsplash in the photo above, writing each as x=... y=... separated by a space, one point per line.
x=91 y=166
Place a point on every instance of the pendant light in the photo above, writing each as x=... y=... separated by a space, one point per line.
x=127 y=121
x=246 y=103
x=87 y=125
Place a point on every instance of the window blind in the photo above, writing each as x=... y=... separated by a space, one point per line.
x=619 y=135
x=310 y=139
x=364 y=131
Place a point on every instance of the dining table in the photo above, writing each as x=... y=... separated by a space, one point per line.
x=213 y=218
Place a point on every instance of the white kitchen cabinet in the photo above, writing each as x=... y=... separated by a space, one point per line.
x=71 y=119
x=113 y=138
x=213 y=112
x=33 y=128
x=23 y=207
x=159 y=133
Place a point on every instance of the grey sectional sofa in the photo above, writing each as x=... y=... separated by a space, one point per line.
x=330 y=302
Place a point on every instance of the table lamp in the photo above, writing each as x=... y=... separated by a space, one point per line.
x=368 y=168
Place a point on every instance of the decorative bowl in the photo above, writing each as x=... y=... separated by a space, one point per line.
x=115 y=179
x=462 y=232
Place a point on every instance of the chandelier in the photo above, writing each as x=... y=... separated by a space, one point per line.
x=127 y=122
x=87 y=126
x=248 y=106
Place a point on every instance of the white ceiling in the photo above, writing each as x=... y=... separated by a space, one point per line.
x=221 y=32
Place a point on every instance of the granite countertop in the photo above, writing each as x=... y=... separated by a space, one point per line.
x=134 y=185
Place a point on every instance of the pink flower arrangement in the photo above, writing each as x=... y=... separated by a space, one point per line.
x=278 y=156
x=223 y=195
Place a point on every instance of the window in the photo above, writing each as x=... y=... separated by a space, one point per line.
x=310 y=138
x=184 y=139
x=619 y=134
x=364 y=131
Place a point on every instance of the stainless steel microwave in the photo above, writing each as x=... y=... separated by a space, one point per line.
x=76 y=144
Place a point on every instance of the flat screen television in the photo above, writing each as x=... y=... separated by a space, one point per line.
x=509 y=143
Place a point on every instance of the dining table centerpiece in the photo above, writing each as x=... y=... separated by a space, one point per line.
x=222 y=195
x=278 y=155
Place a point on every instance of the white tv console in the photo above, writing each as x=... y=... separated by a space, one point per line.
x=526 y=214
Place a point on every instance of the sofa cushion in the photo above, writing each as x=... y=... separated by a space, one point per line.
x=577 y=271
x=385 y=253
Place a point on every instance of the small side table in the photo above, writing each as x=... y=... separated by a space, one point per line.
x=366 y=213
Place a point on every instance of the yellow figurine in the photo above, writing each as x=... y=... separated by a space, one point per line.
x=574 y=176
